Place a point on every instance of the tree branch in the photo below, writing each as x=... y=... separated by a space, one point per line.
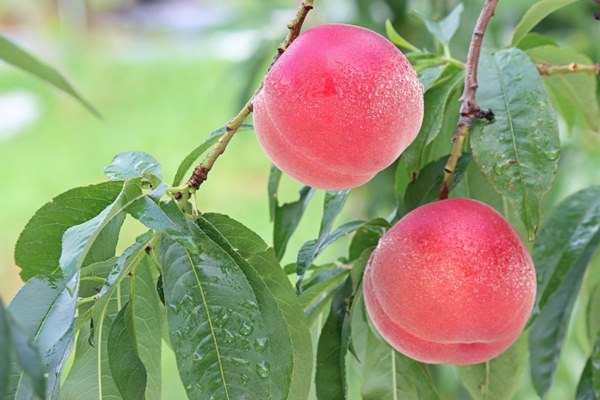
x=200 y=173
x=469 y=108
x=549 y=69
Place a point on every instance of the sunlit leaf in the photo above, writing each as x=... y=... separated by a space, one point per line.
x=535 y=14
x=132 y=164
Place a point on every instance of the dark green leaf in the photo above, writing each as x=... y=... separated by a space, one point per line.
x=446 y=28
x=315 y=298
x=498 y=378
x=5 y=351
x=426 y=188
x=14 y=55
x=191 y=158
x=264 y=261
x=29 y=360
x=79 y=240
x=38 y=249
x=367 y=236
x=533 y=40
x=436 y=102
x=132 y=164
x=517 y=152
x=330 y=380
x=216 y=327
x=474 y=186
x=596 y=367
x=429 y=76
x=332 y=206
x=572 y=94
x=287 y=218
x=535 y=14
x=386 y=374
x=397 y=39
x=147 y=311
x=561 y=254
x=45 y=313
x=359 y=266
x=272 y=188
x=127 y=369
x=593 y=314
x=585 y=388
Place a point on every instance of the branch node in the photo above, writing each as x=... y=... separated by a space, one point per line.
x=487 y=115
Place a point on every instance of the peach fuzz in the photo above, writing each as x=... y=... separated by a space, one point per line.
x=450 y=283
x=338 y=106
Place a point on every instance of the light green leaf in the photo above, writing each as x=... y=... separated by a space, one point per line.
x=132 y=164
x=535 y=14
x=315 y=298
x=445 y=29
x=5 y=351
x=517 y=152
x=39 y=246
x=561 y=253
x=191 y=158
x=272 y=187
x=16 y=56
x=498 y=378
x=572 y=94
x=128 y=371
x=397 y=39
x=286 y=220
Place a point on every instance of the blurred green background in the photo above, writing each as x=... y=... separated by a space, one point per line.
x=164 y=74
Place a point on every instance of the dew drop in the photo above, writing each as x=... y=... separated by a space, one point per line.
x=199 y=355
x=261 y=344
x=263 y=369
x=552 y=154
x=246 y=329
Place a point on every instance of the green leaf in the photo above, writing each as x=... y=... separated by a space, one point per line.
x=132 y=164
x=572 y=94
x=127 y=369
x=163 y=217
x=386 y=374
x=533 y=39
x=473 y=185
x=397 y=39
x=596 y=367
x=426 y=188
x=535 y=14
x=44 y=311
x=147 y=311
x=498 y=378
x=79 y=240
x=216 y=327
x=593 y=313
x=332 y=206
x=517 y=152
x=16 y=56
x=5 y=351
x=287 y=218
x=367 y=236
x=272 y=187
x=585 y=387
x=429 y=76
x=29 y=360
x=330 y=379
x=315 y=298
x=249 y=245
x=191 y=158
x=561 y=254
x=436 y=102
x=39 y=246
x=90 y=376
x=445 y=29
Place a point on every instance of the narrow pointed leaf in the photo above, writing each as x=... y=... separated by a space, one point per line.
x=5 y=350
x=126 y=367
x=397 y=39
x=315 y=298
x=517 y=152
x=39 y=246
x=367 y=236
x=195 y=154
x=585 y=387
x=445 y=29
x=535 y=14
x=331 y=381
x=132 y=164
x=497 y=378
x=286 y=220
x=16 y=56
x=272 y=188
x=561 y=253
